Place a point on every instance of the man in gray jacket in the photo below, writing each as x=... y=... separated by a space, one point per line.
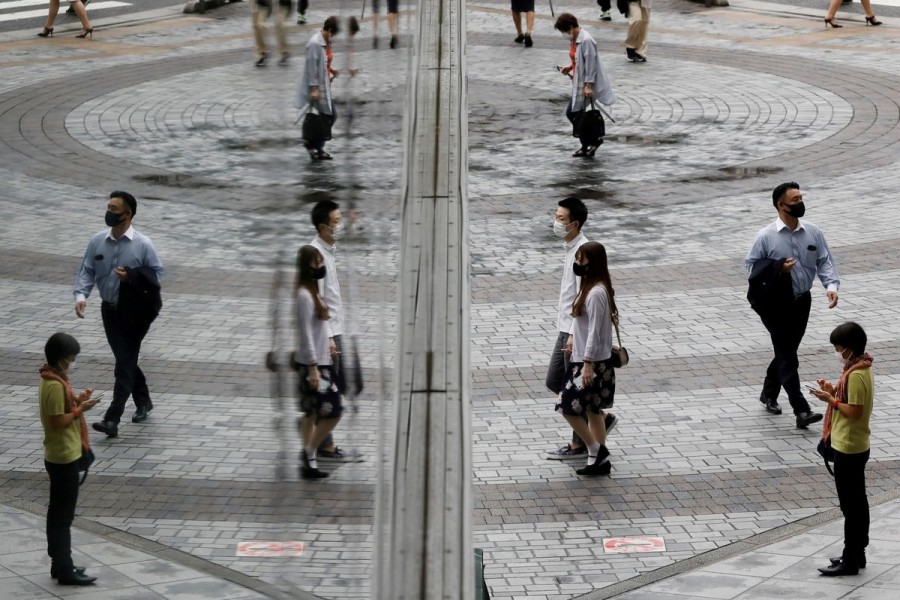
x=314 y=90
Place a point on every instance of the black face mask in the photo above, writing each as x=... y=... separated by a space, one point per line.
x=579 y=270
x=796 y=210
x=319 y=273
x=112 y=219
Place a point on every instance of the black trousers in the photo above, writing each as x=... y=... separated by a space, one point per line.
x=126 y=345
x=786 y=324
x=850 y=481
x=604 y=5
x=61 y=512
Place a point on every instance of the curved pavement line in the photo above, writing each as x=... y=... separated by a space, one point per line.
x=33 y=125
x=755 y=542
x=165 y=553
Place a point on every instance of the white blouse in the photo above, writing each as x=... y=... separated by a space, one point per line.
x=592 y=332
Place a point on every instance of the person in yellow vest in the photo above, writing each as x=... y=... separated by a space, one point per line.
x=65 y=438
x=850 y=403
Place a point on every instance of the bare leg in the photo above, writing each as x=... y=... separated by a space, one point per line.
x=517 y=19
x=51 y=16
x=529 y=22
x=598 y=427
x=81 y=13
x=322 y=429
x=835 y=4
x=392 y=22
x=375 y=24
x=867 y=6
x=582 y=429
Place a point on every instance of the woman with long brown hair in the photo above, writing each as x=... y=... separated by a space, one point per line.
x=320 y=400
x=591 y=384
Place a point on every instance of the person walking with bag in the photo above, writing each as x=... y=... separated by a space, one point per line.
x=319 y=397
x=591 y=384
x=314 y=90
x=65 y=440
x=590 y=84
x=77 y=8
x=638 y=28
x=849 y=410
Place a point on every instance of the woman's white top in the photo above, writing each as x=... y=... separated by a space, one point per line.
x=312 y=332
x=592 y=331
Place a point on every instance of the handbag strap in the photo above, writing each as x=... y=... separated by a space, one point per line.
x=615 y=322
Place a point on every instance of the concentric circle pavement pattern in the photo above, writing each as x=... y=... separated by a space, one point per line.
x=731 y=102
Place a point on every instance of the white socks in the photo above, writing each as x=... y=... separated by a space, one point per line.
x=592 y=453
x=311 y=457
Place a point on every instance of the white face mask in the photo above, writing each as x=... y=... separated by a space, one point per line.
x=560 y=230
x=840 y=357
x=338 y=230
x=71 y=366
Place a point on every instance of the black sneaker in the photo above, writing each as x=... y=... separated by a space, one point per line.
x=519 y=38
x=567 y=451
x=261 y=61
x=301 y=19
x=639 y=57
x=393 y=42
x=528 y=41
x=141 y=414
x=605 y=16
x=283 y=61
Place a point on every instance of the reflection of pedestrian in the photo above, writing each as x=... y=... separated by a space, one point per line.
x=320 y=399
x=77 y=8
x=527 y=7
x=65 y=435
x=605 y=6
x=789 y=253
x=638 y=28
x=591 y=383
x=115 y=258
x=835 y=4
x=314 y=91
x=850 y=405
x=588 y=79
x=260 y=11
x=393 y=7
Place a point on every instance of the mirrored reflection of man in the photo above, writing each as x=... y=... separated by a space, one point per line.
x=122 y=263
x=788 y=254
x=260 y=11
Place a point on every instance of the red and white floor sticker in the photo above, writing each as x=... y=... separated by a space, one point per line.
x=625 y=545
x=260 y=549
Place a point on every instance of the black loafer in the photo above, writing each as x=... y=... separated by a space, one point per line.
x=76 y=578
x=54 y=572
x=108 y=427
x=860 y=560
x=596 y=469
x=140 y=415
x=805 y=419
x=839 y=569
x=771 y=404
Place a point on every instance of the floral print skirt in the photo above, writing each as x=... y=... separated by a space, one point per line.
x=574 y=399
x=324 y=402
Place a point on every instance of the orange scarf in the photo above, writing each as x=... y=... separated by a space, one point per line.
x=840 y=391
x=48 y=373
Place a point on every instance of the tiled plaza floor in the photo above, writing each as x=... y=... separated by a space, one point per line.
x=731 y=102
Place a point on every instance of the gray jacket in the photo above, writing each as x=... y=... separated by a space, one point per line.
x=589 y=70
x=315 y=73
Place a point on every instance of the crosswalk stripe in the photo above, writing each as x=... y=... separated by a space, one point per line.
x=27 y=14
x=21 y=3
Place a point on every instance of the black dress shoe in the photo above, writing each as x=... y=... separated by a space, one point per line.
x=860 y=560
x=108 y=427
x=805 y=419
x=140 y=415
x=310 y=473
x=596 y=469
x=840 y=568
x=75 y=578
x=771 y=404
x=54 y=571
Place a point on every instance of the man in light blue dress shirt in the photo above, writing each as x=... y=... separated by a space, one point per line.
x=802 y=247
x=110 y=256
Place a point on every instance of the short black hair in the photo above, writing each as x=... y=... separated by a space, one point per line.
x=332 y=25
x=321 y=213
x=577 y=210
x=782 y=189
x=127 y=199
x=850 y=335
x=566 y=22
x=59 y=346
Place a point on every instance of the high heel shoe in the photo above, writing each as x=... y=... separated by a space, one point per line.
x=86 y=33
x=872 y=21
x=47 y=32
x=833 y=23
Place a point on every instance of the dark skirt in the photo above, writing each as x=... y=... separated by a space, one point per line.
x=574 y=399
x=325 y=402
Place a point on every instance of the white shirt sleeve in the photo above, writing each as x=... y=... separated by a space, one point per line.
x=306 y=343
x=597 y=308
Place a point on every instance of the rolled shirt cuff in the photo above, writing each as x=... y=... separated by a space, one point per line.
x=80 y=298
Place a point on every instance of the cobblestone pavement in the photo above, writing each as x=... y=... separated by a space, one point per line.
x=731 y=102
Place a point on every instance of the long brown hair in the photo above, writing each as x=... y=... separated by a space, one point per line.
x=597 y=273
x=306 y=278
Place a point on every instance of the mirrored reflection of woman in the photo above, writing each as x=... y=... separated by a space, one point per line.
x=319 y=398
